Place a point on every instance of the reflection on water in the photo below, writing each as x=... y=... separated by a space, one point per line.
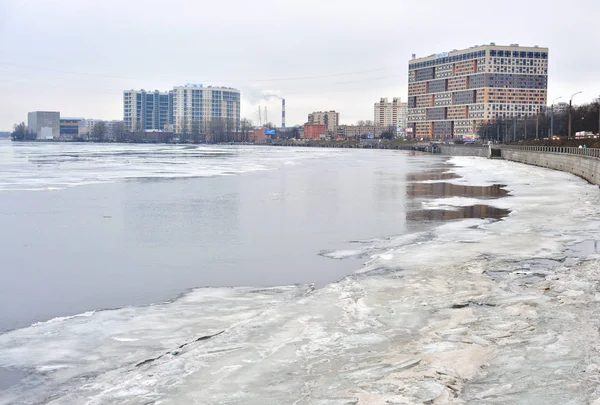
x=431 y=176
x=474 y=211
x=433 y=190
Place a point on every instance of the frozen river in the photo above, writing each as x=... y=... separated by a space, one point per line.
x=438 y=301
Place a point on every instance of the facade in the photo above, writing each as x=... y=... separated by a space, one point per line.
x=358 y=131
x=330 y=119
x=69 y=128
x=195 y=106
x=561 y=108
x=147 y=110
x=44 y=124
x=86 y=126
x=315 y=131
x=394 y=113
x=451 y=94
x=113 y=128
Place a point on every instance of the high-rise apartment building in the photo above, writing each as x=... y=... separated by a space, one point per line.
x=392 y=113
x=330 y=119
x=451 y=94
x=195 y=106
x=147 y=110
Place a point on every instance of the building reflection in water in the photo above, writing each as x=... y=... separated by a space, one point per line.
x=473 y=211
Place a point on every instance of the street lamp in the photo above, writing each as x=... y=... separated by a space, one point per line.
x=552 y=118
x=570 y=108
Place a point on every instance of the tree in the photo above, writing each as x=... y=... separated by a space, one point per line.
x=389 y=132
x=120 y=134
x=361 y=123
x=246 y=127
x=99 y=131
x=20 y=133
x=369 y=123
x=195 y=131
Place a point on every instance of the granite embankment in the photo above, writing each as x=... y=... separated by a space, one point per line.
x=584 y=163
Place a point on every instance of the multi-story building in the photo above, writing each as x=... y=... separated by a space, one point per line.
x=451 y=94
x=330 y=119
x=358 y=131
x=195 y=106
x=86 y=126
x=44 y=124
x=114 y=128
x=147 y=110
x=315 y=131
x=388 y=114
x=69 y=128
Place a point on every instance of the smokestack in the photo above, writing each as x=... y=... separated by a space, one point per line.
x=283 y=113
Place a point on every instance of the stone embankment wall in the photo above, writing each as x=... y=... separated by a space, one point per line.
x=584 y=163
x=465 y=150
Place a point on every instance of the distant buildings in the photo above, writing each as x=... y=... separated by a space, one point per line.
x=561 y=108
x=44 y=124
x=114 y=129
x=358 y=131
x=451 y=94
x=315 y=131
x=185 y=109
x=195 y=106
x=86 y=126
x=391 y=114
x=147 y=110
x=330 y=119
x=69 y=128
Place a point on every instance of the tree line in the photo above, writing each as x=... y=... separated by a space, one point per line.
x=584 y=117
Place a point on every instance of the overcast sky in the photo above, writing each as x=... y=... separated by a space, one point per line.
x=77 y=56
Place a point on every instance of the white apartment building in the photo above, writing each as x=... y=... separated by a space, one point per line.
x=330 y=119
x=195 y=106
x=394 y=113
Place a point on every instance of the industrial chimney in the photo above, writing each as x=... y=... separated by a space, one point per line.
x=283 y=113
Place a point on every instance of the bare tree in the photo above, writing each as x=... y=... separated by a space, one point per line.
x=361 y=123
x=246 y=127
x=120 y=134
x=19 y=132
x=99 y=131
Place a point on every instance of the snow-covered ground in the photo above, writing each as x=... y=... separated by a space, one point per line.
x=474 y=311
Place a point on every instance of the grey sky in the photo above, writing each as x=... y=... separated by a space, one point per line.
x=77 y=56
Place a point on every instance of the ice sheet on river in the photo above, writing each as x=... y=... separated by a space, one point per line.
x=475 y=311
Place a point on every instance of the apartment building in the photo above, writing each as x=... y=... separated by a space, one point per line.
x=147 y=110
x=450 y=94
x=358 y=131
x=314 y=131
x=394 y=113
x=195 y=106
x=330 y=119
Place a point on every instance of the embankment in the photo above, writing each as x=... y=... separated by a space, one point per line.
x=584 y=163
x=465 y=150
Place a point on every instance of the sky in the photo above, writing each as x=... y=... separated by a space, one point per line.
x=77 y=56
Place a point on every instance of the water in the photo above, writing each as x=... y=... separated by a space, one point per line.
x=483 y=292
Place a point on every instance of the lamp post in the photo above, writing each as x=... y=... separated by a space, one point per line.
x=570 y=109
x=552 y=118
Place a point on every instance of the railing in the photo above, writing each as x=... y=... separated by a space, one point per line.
x=591 y=152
